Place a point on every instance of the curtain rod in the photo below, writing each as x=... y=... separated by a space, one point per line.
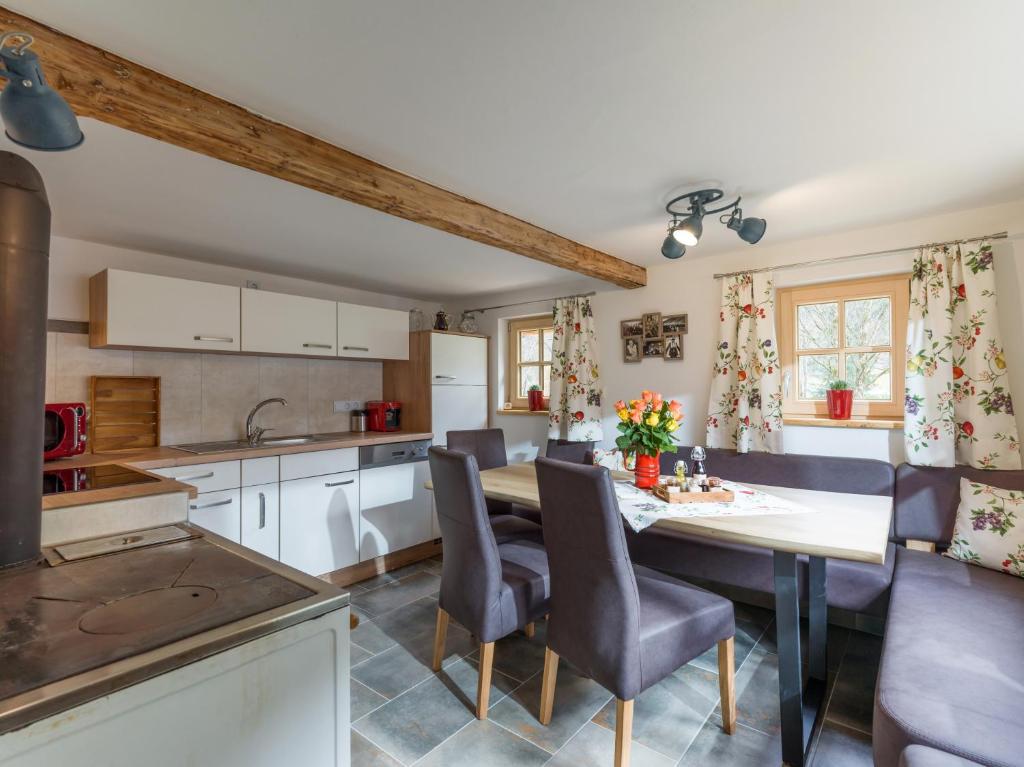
x=534 y=301
x=816 y=262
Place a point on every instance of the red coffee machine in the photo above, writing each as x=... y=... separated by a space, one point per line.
x=383 y=415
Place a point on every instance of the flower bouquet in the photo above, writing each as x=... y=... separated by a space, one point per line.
x=647 y=425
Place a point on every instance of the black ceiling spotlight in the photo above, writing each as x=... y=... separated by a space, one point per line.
x=35 y=116
x=687 y=226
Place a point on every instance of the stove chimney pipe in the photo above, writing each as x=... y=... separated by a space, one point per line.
x=24 y=271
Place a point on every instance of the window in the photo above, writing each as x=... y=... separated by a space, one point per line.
x=847 y=330
x=529 y=358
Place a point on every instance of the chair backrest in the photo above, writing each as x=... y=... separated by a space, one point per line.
x=595 y=608
x=831 y=474
x=573 y=452
x=927 y=498
x=486 y=445
x=471 y=569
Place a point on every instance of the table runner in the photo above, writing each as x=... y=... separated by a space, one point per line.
x=641 y=509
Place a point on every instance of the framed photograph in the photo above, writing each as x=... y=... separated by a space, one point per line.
x=631 y=328
x=654 y=347
x=652 y=325
x=632 y=348
x=674 y=347
x=674 y=323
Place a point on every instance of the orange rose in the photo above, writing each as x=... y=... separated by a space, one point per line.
x=620 y=405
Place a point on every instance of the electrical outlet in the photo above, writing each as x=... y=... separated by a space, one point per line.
x=252 y=284
x=345 y=405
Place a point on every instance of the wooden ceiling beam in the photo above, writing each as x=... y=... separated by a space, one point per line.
x=106 y=87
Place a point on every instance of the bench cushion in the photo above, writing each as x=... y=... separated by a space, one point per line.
x=855 y=586
x=927 y=498
x=952 y=670
x=922 y=756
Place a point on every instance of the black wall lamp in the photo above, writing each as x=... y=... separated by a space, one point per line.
x=686 y=226
x=35 y=116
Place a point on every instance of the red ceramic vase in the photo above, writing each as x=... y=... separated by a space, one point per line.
x=647 y=470
x=535 y=399
x=840 y=403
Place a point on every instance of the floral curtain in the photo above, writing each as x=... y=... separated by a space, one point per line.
x=958 y=408
x=575 y=403
x=745 y=407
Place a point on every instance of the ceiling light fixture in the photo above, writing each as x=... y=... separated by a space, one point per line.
x=687 y=225
x=35 y=116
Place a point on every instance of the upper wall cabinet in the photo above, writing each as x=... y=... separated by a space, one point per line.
x=367 y=331
x=129 y=309
x=277 y=323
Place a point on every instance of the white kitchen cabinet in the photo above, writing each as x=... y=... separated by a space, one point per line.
x=277 y=323
x=457 y=407
x=219 y=512
x=206 y=477
x=458 y=360
x=260 y=471
x=394 y=508
x=373 y=333
x=320 y=522
x=129 y=309
x=300 y=465
x=261 y=519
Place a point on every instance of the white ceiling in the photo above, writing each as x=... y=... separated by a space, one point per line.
x=581 y=116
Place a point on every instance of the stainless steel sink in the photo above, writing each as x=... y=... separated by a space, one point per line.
x=230 y=445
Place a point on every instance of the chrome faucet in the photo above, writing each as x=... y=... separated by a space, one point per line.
x=254 y=433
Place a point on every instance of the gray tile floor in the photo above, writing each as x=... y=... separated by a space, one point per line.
x=404 y=714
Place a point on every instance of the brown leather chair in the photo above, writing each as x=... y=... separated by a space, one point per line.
x=623 y=625
x=490 y=588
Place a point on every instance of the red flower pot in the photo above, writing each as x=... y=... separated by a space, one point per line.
x=840 y=403
x=647 y=470
x=535 y=399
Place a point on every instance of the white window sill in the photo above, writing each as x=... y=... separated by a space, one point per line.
x=857 y=422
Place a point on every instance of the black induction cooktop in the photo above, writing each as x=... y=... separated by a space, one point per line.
x=57 y=480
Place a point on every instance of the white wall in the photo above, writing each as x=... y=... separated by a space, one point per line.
x=73 y=262
x=688 y=286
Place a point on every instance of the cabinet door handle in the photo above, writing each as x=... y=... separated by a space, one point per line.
x=196 y=506
x=317 y=346
x=336 y=484
x=263 y=511
x=356 y=348
x=191 y=477
x=220 y=339
x=447 y=378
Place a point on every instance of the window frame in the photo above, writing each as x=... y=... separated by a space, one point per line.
x=894 y=287
x=512 y=361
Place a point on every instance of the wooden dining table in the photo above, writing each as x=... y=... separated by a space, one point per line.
x=836 y=526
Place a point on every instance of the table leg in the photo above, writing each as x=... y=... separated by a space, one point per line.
x=799 y=706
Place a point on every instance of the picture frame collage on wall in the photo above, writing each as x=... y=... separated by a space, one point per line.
x=654 y=335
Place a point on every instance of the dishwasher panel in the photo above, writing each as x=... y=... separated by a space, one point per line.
x=394 y=506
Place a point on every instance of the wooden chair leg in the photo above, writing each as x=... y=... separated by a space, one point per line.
x=483 y=685
x=547 y=687
x=727 y=683
x=440 y=634
x=530 y=629
x=623 y=731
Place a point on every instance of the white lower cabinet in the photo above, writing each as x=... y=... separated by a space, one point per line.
x=261 y=519
x=320 y=522
x=394 y=508
x=219 y=512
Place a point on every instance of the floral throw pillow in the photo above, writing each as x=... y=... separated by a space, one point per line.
x=989 y=528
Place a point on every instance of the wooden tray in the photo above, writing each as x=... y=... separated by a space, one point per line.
x=125 y=413
x=673 y=495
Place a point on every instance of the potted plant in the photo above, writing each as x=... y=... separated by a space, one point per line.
x=840 y=400
x=648 y=425
x=535 y=398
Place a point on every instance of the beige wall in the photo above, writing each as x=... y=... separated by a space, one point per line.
x=207 y=396
x=688 y=286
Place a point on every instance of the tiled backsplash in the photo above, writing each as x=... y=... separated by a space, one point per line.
x=207 y=396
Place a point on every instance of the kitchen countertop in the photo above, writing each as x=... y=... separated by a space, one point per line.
x=164 y=457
